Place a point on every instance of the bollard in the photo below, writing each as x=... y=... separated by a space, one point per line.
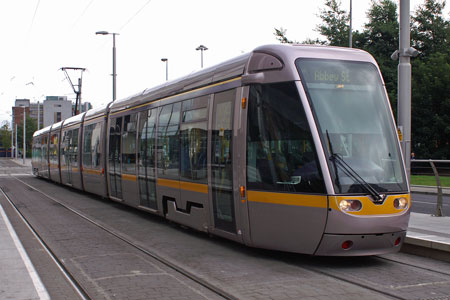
x=439 y=210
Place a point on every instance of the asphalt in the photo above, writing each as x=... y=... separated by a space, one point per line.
x=427 y=235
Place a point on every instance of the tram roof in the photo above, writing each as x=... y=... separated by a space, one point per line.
x=42 y=131
x=238 y=66
x=73 y=120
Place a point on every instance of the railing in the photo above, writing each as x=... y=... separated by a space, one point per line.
x=444 y=167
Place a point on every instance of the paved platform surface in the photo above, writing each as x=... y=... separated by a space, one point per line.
x=19 y=280
x=427 y=231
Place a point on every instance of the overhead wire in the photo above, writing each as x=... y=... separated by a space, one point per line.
x=82 y=14
x=34 y=16
x=129 y=20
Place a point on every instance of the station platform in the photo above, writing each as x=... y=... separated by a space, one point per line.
x=18 y=278
x=428 y=235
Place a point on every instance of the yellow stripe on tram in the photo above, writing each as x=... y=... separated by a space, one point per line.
x=187 y=186
x=288 y=199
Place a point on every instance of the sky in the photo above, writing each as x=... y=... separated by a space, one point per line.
x=39 y=37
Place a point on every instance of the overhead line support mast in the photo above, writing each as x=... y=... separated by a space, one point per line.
x=76 y=87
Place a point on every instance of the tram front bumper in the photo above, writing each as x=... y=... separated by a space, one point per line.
x=360 y=244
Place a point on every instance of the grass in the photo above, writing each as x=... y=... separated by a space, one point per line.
x=429 y=180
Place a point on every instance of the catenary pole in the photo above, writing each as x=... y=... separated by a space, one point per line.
x=350 y=33
x=404 y=84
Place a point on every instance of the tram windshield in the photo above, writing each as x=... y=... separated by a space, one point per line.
x=354 y=121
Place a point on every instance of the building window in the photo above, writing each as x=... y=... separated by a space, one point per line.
x=57 y=116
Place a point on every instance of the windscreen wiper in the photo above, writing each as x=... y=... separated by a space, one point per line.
x=338 y=161
x=353 y=174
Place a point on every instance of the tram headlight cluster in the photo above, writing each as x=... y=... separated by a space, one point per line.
x=350 y=205
x=400 y=203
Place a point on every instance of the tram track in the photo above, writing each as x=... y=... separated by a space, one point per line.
x=83 y=294
x=339 y=272
x=414 y=266
x=319 y=266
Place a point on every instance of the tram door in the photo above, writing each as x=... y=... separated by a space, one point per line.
x=222 y=161
x=114 y=158
x=67 y=141
x=146 y=159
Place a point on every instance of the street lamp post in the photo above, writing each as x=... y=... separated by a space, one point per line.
x=114 y=59
x=350 y=33
x=17 y=146
x=166 y=60
x=12 y=138
x=24 y=154
x=201 y=48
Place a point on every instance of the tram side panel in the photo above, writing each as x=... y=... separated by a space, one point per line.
x=287 y=199
x=128 y=158
x=69 y=157
x=93 y=157
x=40 y=162
x=54 y=171
x=36 y=162
x=181 y=162
x=44 y=163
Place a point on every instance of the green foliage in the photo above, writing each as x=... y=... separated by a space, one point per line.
x=431 y=107
x=380 y=38
x=430 y=31
x=429 y=180
x=335 y=27
x=431 y=82
x=31 y=127
x=5 y=135
x=281 y=36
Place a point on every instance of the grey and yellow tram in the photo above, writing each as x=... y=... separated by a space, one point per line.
x=292 y=148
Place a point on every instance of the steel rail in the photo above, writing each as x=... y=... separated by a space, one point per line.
x=152 y=254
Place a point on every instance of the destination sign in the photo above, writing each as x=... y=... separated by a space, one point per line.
x=332 y=77
x=336 y=72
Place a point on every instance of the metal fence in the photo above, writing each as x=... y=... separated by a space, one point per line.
x=432 y=167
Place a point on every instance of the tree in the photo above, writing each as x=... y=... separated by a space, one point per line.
x=281 y=36
x=430 y=31
x=31 y=127
x=5 y=134
x=335 y=27
x=380 y=38
x=431 y=82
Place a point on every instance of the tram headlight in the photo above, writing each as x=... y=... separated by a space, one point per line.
x=350 y=205
x=400 y=203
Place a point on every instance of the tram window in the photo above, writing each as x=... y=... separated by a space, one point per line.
x=168 y=140
x=45 y=150
x=129 y=144
x=147 y=132
x=64 y=152
x=146 y=158
x=280 y=151
x=194 y=151
x=194 y=137
x=87 y=138
x=74 y=147
x=96 y=150
x=53 y=151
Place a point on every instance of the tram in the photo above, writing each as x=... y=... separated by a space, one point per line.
x=289 y=147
